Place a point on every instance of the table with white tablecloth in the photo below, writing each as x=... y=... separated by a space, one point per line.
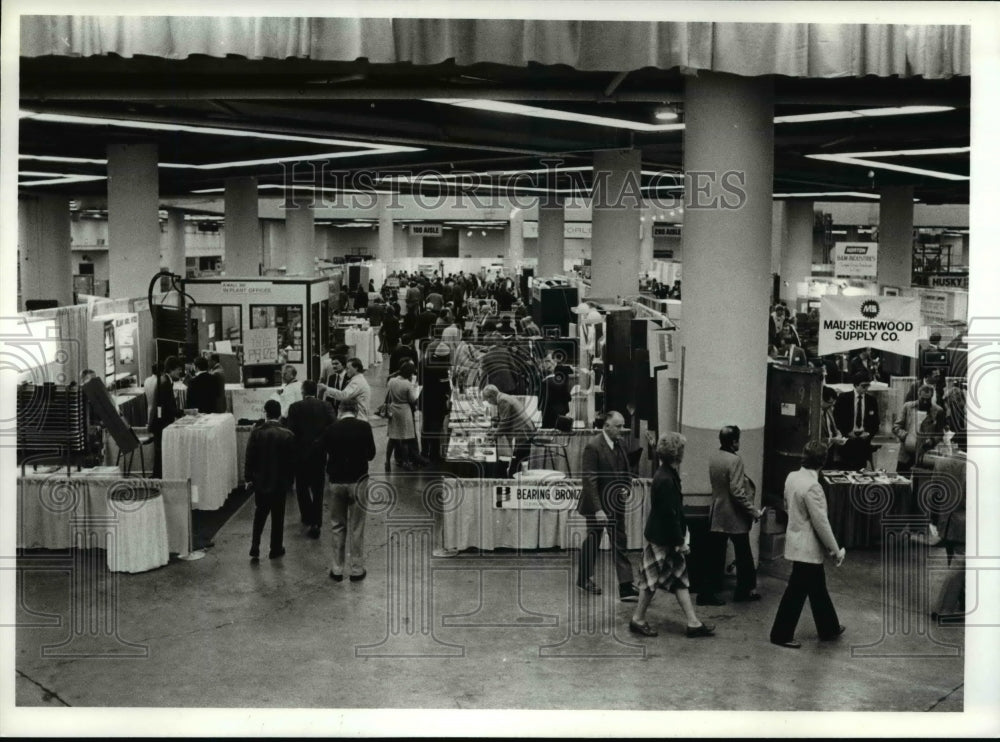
x=202 y=448
x=145 y=519
x=471 y=520
x=364 y=345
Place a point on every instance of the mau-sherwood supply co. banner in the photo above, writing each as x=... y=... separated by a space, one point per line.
x=889 y=323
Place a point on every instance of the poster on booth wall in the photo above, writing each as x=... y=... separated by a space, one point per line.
x=888 y=323
x=663 y=350
x=260 y=345
x=855 y=260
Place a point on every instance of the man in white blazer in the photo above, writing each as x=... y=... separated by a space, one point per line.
x=808 y=541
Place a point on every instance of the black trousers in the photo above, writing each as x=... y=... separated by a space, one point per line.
x=310 y=482
x=746 y=573
x=432 y=435
x=806 y=581
x=273 y=504
x=592 y=543
x=520 y=452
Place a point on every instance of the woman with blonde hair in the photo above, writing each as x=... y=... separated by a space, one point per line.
x=663 y=562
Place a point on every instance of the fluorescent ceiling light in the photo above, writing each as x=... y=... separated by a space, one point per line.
x=518 y=109
x=208 y=130
x=863 y=159
x=52 y=158
x=859 y=113
x=276 y=187
x=66 y=180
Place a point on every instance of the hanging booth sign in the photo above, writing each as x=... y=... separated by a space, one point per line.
x=561 y=496
x=889 y=323
x=426 y=230
x=855 y=259
x=949 y=282
x=663 y=345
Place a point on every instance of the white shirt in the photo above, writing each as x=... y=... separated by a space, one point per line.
x=607 y=438
x=288 y=395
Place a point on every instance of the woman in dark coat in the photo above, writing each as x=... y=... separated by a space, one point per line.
x=663 y=563
x=389 y=332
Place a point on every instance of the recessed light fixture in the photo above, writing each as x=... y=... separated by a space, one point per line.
x=666 y=113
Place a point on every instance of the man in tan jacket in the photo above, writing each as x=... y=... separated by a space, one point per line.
x=808 y=541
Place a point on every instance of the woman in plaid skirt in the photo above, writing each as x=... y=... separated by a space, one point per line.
x=663 y=563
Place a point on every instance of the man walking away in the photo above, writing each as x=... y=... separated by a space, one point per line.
x=269 y=470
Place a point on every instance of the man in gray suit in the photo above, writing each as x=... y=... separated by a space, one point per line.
x=808 y=541
x=606 y=487
x=733 y=512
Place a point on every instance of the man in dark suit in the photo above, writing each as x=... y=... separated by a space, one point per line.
x=164 y=411
x=269 y=469
x=606 y=483
x=308 y=419
x=733 y=512
x=425 y=322
x=215 y=368
x=337 y=379
x=555 y=397
x=349 y=445
x=402 y=352
x=204 y=390
x=857 y=416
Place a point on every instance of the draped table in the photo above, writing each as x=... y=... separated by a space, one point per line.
x=855 y=508
x=147 y=519
x=364 y=343
x=472 y=520
x=202 y=448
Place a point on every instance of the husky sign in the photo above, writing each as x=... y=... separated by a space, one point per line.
x=855 y=259
x=889 y=323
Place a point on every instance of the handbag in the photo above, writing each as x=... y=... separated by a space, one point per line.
x=384 y=410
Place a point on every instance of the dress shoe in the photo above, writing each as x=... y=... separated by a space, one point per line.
x=313 y=532
x=643 y=629
x=705 y=629
x=790 y=644
x=254 y=552
x=710 y=599
x=840 y=630
x=627 y=593
x=748 y=598
x=335 y=577
x=276 y=554
x=359 y=577
x=589 y=587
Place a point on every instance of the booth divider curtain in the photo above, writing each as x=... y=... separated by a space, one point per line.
x=748 y=49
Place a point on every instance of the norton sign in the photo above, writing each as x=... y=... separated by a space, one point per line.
x=888 y=323
x=855 y=259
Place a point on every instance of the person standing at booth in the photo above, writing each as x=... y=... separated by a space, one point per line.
x=435 y=399
x=205 y=388
x=291 y=390
x=606 y=487
x=164 y=410
x=357 y=388
x=732 y=513
x=857 y=416
x=308 y=419
x=808 y=540
x=349 y=445
x=269 y=471
x=513 y=422
x=919 y=427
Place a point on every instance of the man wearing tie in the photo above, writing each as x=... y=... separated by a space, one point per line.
x=336 y=380
x=606 y=482
x=828 y=431
x=857 y=416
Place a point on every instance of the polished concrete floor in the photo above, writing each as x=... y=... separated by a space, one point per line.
x=477 y=631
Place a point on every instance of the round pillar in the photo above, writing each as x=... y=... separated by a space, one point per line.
x=300 y=227
x=172 y=255
x=615 y=232
x=44 y=240
x=796 y=249
x=133 y=219
x=895 y=236
x=729 y=164
x=242 y=235
x=386 y=233
x=515 y=242
x=551 y=236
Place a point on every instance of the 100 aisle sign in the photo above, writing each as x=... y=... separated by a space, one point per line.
x=537 y=497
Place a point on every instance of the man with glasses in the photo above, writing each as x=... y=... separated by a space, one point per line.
x=857 y=416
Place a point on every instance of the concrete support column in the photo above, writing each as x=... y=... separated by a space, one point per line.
x=274 y=244
x=172 y=256
x=646 y=243
x=242 y=236
x=133 y=219
x=300 y=227
x=515 y=241
x=551 y=235
x=729 y=159
x=796 y=249
x=44 y=242
x=386 y=231
x=615 y=231
x=895 y=236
